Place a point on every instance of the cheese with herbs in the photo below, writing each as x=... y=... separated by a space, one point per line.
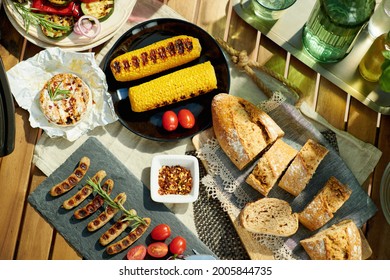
x=65 y=99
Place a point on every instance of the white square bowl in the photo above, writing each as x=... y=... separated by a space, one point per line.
x=186 y=161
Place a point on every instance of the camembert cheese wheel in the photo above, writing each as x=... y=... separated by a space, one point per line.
x=65 y=99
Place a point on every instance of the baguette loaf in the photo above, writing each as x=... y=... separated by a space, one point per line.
x=269 y=216
x=242 y=130
x=341 y=241
x=271 y=166
x=303 y=167
x=328 y=200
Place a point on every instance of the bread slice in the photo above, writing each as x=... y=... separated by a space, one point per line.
x=303 y=167
x=328 y=200
x=271 y=166
x=242 y=130
x=341 y=241
x=269 y=216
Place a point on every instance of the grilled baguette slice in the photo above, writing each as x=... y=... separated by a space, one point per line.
x=243 y=131
x=328 y=200
x=269 y=216
x=341 y=241
x=155 y=58
x=174 y=87
x=303 y=167
x=270 y=166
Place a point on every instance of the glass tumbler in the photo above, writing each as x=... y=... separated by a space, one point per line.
x=379 y=22
x=271 y=9
x=333 y=26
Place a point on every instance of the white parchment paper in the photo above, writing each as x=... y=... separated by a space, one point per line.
x=28 y=77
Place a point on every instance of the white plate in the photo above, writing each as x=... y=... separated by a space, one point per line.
x=73 y=42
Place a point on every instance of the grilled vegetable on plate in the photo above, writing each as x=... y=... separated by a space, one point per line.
x=165 y=65
x=155 y=58
x=177 y=86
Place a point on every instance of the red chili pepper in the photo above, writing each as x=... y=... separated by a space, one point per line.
x=72 y=9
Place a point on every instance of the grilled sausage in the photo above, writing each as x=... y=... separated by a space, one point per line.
x=107 y=215
x=95 y=203
x=85 y=191
x=129 y=239
x=73 y=179
x=114 y=231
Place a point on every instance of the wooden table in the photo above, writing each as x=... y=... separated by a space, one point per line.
x=24 y=234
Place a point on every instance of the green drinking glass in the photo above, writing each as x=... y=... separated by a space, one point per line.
x=333 y=26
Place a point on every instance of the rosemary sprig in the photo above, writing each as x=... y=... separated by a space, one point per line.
x=129 y=215
x=31 y=18
x=58 y=93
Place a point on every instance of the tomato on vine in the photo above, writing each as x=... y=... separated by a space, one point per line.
x=178 y=245
x=161 y=232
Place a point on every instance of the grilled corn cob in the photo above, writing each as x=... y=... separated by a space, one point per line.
x=155 y=58
x=174 y=87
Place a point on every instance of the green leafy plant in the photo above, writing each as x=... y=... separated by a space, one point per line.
x=384 y=80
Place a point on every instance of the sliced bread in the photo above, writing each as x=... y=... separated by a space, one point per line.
x=269 y=216
x=271 y=166
x=303 y=167
x=242 y=130
x=341 y=241
x=322 y=207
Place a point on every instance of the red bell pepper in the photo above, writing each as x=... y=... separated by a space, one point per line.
x=72 y=9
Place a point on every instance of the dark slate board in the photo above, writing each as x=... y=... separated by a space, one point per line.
x=138 y=197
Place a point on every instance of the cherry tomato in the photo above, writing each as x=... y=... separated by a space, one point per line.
x=186 y=118
x=137 y=253
x=158 y=249
x=178 y=245
x=161 y=232
x=169 y=121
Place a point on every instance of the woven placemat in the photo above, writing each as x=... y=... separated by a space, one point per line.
x=214 y=227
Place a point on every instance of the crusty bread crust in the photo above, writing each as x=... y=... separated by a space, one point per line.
x=271 y=166
x=269 y=216
x=242 y=130
x=341 y=241
x=303 y=167
x=328 y=200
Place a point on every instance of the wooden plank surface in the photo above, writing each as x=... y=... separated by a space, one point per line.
x=19 y=237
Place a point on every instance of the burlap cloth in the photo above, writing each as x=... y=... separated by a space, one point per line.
x=204 y=217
